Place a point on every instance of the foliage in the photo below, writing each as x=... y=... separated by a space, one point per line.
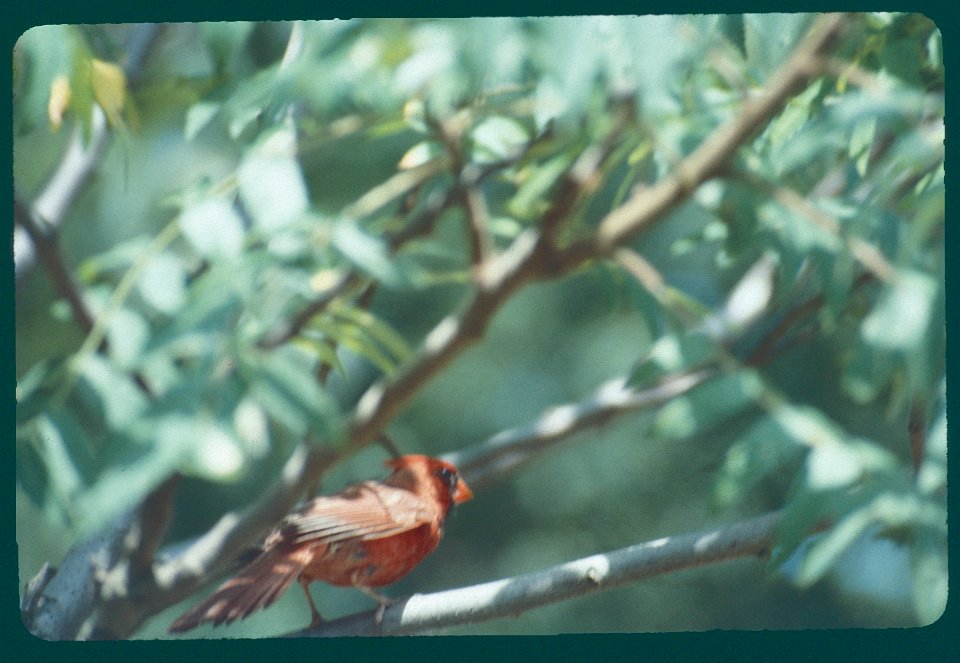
x=289 y=211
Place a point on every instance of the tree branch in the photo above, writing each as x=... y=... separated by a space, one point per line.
x=509 y=450
x=48 y=251
x=423 y=613
x=651 y=204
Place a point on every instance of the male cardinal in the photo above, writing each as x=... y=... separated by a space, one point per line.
x=368 y=535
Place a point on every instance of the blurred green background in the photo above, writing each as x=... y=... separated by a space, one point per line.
x=203 y=113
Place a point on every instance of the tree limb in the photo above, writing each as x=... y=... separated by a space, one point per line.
x=509 y=597
x=651 y=204
x=509 y=450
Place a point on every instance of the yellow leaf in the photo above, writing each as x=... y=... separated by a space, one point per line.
x=59 y=101
x=110 y=90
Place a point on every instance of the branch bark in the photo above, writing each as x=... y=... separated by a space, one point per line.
x=511 y=449
x=510 y=597
x=704 y=163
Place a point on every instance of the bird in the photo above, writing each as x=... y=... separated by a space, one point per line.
x=368 y=535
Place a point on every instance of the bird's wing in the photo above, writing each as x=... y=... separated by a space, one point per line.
x=363 y=512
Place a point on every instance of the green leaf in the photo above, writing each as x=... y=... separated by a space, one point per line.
x=129 y=472
x=371 y=254
x=497 y=139
x=199 y=116
x=37 y=387
x=769 y=38
x=321 y=347
x=376 y=328
x=672 y=354
x=127 y=335
x=56 y=464
x=796 y=231
x=224 y=39
x=109 y=393
x=162 y=283
x=271 y=183
x=763 y=450
x=530 y=200
x=282 y=383
x=207 y=449
x=81 y=83
x=213 y=228
x=860 y=141
x=807 y=426
x=900 y=319
x=825 y=550
x=420 y=154
x=795 y=115
x=930 y=576
x=708 y=405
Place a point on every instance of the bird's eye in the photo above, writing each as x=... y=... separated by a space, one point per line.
x=448 y=476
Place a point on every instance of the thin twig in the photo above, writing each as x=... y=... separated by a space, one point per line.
x=48 y=250
x=866 y=253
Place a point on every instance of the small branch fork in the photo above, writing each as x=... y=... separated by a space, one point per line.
x=532 y=256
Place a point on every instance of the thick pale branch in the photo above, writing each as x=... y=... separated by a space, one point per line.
x=422 y=613
x=179 y=577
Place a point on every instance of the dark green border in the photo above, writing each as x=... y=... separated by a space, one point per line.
x=941 y=641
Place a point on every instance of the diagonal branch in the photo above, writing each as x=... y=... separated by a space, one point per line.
x=511 y=449
x=423 y=613
x=709 y=159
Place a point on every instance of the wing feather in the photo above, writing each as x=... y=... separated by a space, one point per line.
x=364 y=512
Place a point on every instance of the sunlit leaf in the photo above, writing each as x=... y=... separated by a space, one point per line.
x=163 y=283
x=59 y=101
x=901 y=317
x=271 y=183
x=498 y=138
x=369 y=253
x=420 y=154
x=708 y=405
x=127 y=334
x=213 y=227
x=199 y=116
x=110 y=90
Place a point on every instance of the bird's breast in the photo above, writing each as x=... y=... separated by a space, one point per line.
x=372 y=563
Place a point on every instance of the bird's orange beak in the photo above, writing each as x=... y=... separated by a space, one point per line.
x=461 y=492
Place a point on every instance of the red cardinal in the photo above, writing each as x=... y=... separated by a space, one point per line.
x=368 y=535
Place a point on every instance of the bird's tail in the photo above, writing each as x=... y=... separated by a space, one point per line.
x=255 y=587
